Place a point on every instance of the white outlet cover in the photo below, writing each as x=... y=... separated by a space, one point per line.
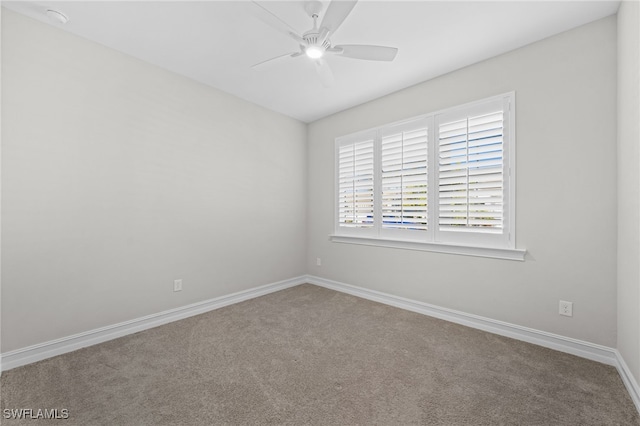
x=566 y=308
x=177 y=285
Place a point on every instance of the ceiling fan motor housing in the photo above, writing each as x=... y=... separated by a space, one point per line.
x=313 y=39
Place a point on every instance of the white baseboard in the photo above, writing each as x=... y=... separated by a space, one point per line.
x=592 y=351
x=63 y=345
x=629 y=381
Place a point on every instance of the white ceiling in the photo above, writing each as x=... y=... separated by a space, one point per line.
x=216 y=42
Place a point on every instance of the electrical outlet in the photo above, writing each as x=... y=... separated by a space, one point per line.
x=566 y=308
x=177 y=285
x=318 y=261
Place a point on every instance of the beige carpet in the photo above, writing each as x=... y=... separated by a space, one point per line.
x=308 y=355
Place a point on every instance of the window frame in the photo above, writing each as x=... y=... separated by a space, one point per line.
x=495 y=245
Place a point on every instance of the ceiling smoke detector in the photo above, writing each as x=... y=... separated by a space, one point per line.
x=57 y=16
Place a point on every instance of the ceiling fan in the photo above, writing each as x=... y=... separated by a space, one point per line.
x=315 y=43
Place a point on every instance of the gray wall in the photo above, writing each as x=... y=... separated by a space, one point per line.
x=629 y=185
x=119 y=177
x=566 y=191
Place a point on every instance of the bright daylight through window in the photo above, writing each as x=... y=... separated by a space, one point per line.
x=440 y=182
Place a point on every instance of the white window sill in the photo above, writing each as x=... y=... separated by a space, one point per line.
x=496 y=253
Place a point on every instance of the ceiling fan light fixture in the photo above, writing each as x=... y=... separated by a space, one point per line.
x=314 y=52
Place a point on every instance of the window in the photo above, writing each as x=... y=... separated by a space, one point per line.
x=441 y=182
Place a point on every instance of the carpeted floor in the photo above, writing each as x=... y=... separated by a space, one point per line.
x=308 y=355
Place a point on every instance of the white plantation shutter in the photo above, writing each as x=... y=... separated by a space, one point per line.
x=355 y=184
x=485 y=161
x=473 y=173
x=441 y=180
x=470 y=173
x=404 y=177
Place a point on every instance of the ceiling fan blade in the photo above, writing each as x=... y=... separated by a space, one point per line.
x=363 y=51
x=336 y=13
x=274 y=21
x=293 y=55
x=324 y=72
